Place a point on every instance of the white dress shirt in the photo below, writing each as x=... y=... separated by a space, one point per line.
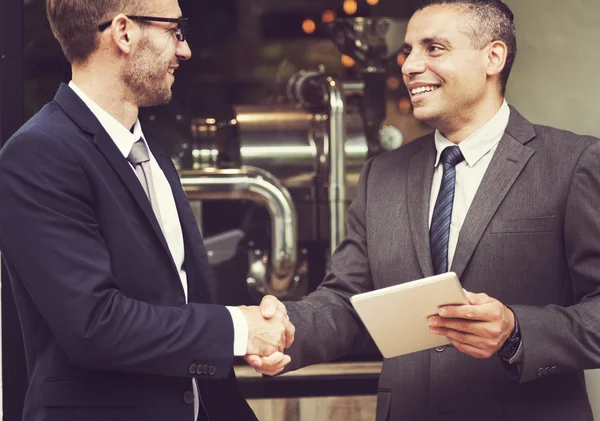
x=169 y=217
x=478 y=150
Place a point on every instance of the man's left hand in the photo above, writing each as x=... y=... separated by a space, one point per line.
x=478 y=329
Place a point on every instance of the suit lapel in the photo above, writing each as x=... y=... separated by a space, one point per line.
x=112 y=154
x=196 y=259
x=80 y=113
x=508 y=162
x=420 y=175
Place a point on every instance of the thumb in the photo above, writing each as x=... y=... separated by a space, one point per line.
x=268 y=306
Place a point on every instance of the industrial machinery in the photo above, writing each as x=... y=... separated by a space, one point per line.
x=277 y=179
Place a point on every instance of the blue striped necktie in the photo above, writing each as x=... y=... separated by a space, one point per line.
x=439 y=232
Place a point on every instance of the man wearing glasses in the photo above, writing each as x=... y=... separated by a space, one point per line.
x=107 y=264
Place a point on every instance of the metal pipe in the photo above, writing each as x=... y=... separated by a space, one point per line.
x=337 y=163
x=260 y=187
x=353 y=87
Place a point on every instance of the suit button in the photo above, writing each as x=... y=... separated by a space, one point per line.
x=202 y=369
x=188 y=397
x=212 y=370
x=554 y=369
x=540 y=372
x=192 y=368
x=440 y=348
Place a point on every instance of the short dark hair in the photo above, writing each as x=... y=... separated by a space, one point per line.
x=75 y=23
x=492 y=20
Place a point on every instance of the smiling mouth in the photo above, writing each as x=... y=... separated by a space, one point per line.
x=424 y=89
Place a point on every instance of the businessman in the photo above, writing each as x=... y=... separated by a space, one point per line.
x=510 y=206
x=102 y=249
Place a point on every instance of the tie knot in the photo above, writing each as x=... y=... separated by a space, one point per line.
x=139 y=153
x=452 y=155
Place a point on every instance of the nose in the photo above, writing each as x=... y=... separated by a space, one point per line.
x=183 y=51
x=414 y=64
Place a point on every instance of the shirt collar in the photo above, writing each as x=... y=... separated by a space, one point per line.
x=479 y=143
x=123 y=138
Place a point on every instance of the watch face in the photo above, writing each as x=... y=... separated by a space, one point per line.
x=509 y=350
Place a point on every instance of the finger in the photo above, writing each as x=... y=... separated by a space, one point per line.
x=461 y=325
x=272 y=369
x=483 y=329
x=486 y=312
x=290 y=331
x=478 y=299
x=483 y=344
x=276 y=362
x=268 y=306
x=270 y=372
x=470 y=350
x=282 y=308
x=253 y=361
x=273 y=360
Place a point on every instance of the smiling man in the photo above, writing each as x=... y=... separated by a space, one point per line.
x=109 y=270
x=510 y=206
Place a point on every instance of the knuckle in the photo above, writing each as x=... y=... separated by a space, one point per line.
x=496 y=330
x=463 y=326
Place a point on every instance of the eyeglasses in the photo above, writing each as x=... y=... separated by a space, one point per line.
x=179 y=32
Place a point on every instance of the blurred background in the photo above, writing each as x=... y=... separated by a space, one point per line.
x=270 y=124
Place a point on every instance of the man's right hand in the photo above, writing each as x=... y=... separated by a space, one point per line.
x=273 y=364
x=267 y=336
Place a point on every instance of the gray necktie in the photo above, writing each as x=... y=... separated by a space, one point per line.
x=439 y=233
x=140 y=159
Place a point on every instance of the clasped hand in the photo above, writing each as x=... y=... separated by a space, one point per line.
x=270 y=332
x=478 y=329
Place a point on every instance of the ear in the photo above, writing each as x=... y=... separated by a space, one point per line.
x=496 y=57
x=124 y=33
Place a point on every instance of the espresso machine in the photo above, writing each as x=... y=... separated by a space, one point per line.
x=279 y=178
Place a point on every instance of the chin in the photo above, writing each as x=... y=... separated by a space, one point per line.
x=424 y=114
x=159 y=98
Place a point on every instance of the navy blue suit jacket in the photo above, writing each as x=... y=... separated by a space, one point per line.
x=107 y=332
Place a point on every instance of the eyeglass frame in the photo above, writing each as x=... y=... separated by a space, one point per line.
x=181 y=23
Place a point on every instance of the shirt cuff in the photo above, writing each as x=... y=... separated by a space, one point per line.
x=240 y=331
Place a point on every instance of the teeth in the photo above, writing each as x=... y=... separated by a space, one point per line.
x=424 y=89
x=172 y=71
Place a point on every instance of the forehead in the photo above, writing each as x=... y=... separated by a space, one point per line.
x=437 y=22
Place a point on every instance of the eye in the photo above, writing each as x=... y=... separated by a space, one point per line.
x=436 y=49
x=406 y=53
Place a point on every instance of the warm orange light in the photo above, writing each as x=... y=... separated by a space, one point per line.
x=401 y=59
x=347 y=61
x=350 y=7
x=404 y=106
x=393 y=83
x=372 y=2
x=328 y=16
x=309 y=26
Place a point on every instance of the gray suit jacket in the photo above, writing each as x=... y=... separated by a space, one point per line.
x=531 y=239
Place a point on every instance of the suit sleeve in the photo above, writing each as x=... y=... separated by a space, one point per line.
x=561 y=339
x=327 y=327
x=52 y=241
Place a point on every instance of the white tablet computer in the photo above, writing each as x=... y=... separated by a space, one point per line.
x=396 y=316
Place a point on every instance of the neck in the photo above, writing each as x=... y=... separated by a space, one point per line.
x=103 y=85
x=461 y=127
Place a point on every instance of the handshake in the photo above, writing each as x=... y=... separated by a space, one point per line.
x=270 y=332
